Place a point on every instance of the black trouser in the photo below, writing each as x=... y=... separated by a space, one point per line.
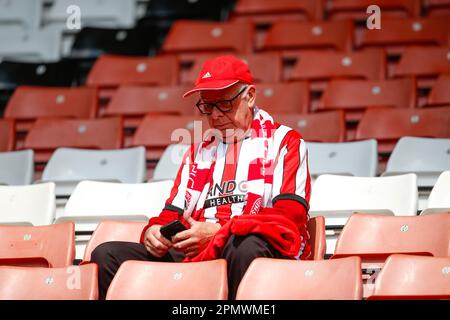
x=239 y=252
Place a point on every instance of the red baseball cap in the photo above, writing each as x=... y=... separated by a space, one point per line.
x=220 y=73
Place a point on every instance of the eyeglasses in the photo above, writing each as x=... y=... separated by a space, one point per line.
x=222 y=105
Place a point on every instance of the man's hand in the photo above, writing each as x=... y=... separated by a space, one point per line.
x=195 y=239
x=155 y=243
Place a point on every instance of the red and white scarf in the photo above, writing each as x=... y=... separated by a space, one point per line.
x=260 y=171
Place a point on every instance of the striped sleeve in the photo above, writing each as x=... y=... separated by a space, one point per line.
x=291 y=179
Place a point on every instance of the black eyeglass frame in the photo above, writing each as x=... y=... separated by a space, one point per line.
x=215 y=104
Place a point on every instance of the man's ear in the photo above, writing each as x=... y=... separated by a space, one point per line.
x=251 y=96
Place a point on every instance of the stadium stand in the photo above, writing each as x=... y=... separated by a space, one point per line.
x=413 y=277
x=171 y=280
x=19 y=283
x=357 y=158
x=49 y=246
x=439 y=201
x=16 y=167
x=32 y=205
x=266 y=279
x=7 y=135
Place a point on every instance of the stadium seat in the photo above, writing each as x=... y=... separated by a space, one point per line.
x=413 y=277
x=375 y=237
x=356 y=9
x=170 y=129
x=426 y=157
x=265 y=12
x=115 y=14
x=318 y=127
x=170 y=281
x=111 y=230
x=67 y=167
x=24 y=14
x=134 y=102
x=337 y=197
x=93 y=42
x=45 y=246
x=92 y=202
x=7 y=135
x=405 y=32
x=389 y=125
x=369 y=64
x=35 y=45
x=436 y=8
x=33 y=204
x=357 y=158
x=354 y=96
x=439 y=200
x=440 y=95
x=291 y=35
x=316 y=230
x=169 y=163
x=16 y=167
x=113 y=71
x=265 y=67
x=70 y=283
x=47 y=135
x=266 y=279
x=283 y=98
x=205 y=36
x=412 y=63
x=30 y=103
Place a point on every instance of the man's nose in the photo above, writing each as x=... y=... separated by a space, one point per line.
x=216 y=113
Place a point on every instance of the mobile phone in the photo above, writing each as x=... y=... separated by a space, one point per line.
x=171 y=229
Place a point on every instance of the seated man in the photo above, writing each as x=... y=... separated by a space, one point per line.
x=242 y=193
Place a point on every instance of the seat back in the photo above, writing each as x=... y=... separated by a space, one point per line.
x=69 y=283
x=170 y=281
x=170 y=161
x=16 y=167
x=284 y=98
x=439 y=94
x=266 y=279
x=439 y=200
x=316 y=230
x=412 y=63
x=44 y=246
x=7 y=135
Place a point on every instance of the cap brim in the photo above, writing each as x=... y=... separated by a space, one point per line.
x=213 y=85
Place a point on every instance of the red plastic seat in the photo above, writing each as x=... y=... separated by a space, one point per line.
x=354 y=96
x=356 y=9
x=283 y=97
x=265 y=67
x=319 y=127
x=389 y=125
x=413 y=277
x=134 y=102
x=324 y=65
x=440 y=93
x=406 y=32
x=30 y=103
x=7 y=135
x=280 y=279
x=412 y=62
x=48 y=134
x=292 y=35
x=110 y=230
x=112 y=71
x=268 y=11
x=437 y=7
x=316 y=230
x=169 y=130
x=37 y=246
x=205 y=36
x=170 y=281
x=69 y=283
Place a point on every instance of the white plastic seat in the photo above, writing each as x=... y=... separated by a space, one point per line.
x=92 y=202
x=359 y=158
x=16 y=167
x=170 y=161
x=426 y=157
x=95 y=13
x=68 y=166
x=37 y=45
x=27 y=205
x=338 y=197
x=439 y=200
x=23 y=13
